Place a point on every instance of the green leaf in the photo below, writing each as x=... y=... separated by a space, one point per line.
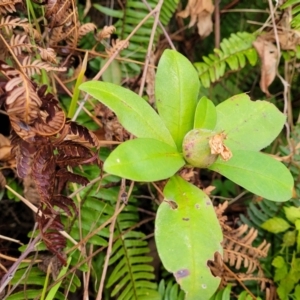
x=249 y=125
x=113 y=72
x=110 y=12
x=292 y=213
x=289 y=238
x=205 y=115
x=258 y=173
x=176 y=91
x=187 y=237
x=144 y=160
x=275 y=225
x=133 y=112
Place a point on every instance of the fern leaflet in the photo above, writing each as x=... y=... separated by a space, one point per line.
x=233 y=53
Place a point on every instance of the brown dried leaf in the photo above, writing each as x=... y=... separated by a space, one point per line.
x=2 y=181
x=5 y=148
x=217 y=146
x=200 y=12
x=268 y=54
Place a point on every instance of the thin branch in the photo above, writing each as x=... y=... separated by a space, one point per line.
x=217 y=24
x=150 y=46
x=110 y=242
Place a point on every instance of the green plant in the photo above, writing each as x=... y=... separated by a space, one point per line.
x=235 y=132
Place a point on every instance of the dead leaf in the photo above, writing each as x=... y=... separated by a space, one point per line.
x=5 y=148
x=209 y=189
x=268 y=54
x=217 y=146
x=2 y=181
x=200 y=12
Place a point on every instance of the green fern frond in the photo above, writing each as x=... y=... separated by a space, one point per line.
x=132 y=275
x=170 y=291
x=234 y=53
x=34 y=278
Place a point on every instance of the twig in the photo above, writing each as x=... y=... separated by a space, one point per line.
x=167 y=36
x=285 y=84
x=110 y=242
x=100 y=73
x=217 y=24
x=12 y=270
x=150 y=45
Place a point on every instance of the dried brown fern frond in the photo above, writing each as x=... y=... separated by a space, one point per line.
x=18 y=44
x=36 y=66
x=67 y=31
x=117 y=45
x=105 y=33
x=85 y=29
x=8 y=24
x=22 y=104
x=55 y=12
x=239 y=252
x=8 y=6
x=79 y=134
x=48 y=55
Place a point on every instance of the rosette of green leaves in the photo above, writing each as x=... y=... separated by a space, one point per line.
x=188 y=234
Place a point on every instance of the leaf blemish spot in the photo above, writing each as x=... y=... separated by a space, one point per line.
x=208 y=203
x=118 y=160
x=197 y=206
x=182 y=273
x=204 y=286
x=185 y=219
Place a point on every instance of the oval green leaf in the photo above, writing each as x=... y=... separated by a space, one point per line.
x=205 y=115
x=176 y=91
x=133 y=112
x=113 y=72
x=144 y=160
x=275 y=225
x=187 y=237
x=258 y=173
x=249 y=125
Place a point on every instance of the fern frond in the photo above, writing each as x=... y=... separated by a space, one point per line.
x=35 y=67
x=85 y=29
x=132 y=275
x=48 y=55
x=8 y=6
x=17 y=44
x=171 y=290
x=9 y=23
x=233 y=53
